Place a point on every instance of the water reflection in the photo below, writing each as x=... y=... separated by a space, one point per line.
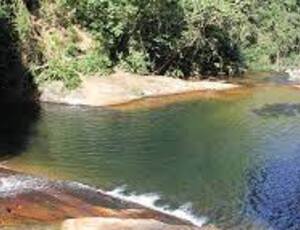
x=199 y=152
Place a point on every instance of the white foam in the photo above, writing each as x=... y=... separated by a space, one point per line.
x=13 y=185
x=149 y=201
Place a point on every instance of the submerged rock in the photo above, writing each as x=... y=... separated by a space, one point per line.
x=279 y=109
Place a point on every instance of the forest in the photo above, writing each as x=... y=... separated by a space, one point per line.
x=67 y=39
x=149 y=114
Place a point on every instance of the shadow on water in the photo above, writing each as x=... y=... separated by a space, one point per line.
x=279 y=109
x=18 y=108
x=17 y=122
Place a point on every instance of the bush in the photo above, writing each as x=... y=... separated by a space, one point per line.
x=60 y=70
x=62 y=50
x=94 y=62
x=161 y=35
x=274 y=33
x=68 y=62
x=21 y=19
x=180 y=38
x=135 y=62
x=3 y=10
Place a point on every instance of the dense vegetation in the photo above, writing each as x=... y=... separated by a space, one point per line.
x=15 y=79
x=67 y=39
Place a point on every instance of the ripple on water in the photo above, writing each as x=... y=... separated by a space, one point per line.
x=274 y=193
x=235 y=160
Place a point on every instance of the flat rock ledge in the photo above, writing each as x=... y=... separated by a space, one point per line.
x=122 y=88
x=123 y=224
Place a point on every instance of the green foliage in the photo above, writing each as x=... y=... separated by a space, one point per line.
x=94 y=62
x=66 y=61
x=66 y=52
x=193 y=37
x=4 y=10
x=21 y=19
x=179 y=38
x=154 y=36
x=274 y=36
x=60 y=70
x=135 y=62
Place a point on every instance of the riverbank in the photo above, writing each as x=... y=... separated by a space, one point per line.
x=121 y=87
x=32 y=201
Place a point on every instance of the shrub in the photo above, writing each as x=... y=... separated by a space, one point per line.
x=179 y=38
x=159 y=36
x=94 y=62
x=275 y=32
x=21 y=20
x=4 y=10
x=135 y=62
x=66 y=61
x=60 y=70
x=66 y=51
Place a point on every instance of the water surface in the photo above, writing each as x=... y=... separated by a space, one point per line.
x=235 y=162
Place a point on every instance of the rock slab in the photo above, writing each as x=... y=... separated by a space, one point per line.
x=120 y=224
x=122 y=88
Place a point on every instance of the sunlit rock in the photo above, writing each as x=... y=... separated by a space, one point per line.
x=26 y=199
x=294 y=74
x=123 y=224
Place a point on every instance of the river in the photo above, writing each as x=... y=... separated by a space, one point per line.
x=233 y=162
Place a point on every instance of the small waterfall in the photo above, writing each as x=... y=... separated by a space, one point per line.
x=149 y=201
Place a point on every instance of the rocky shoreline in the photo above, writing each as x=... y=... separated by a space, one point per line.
x=27 y=202
x=122 y=88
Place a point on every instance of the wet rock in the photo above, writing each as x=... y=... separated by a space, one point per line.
x=27 y=199
x=120 y=224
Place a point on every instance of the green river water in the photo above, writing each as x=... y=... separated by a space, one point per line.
x=233 y=163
